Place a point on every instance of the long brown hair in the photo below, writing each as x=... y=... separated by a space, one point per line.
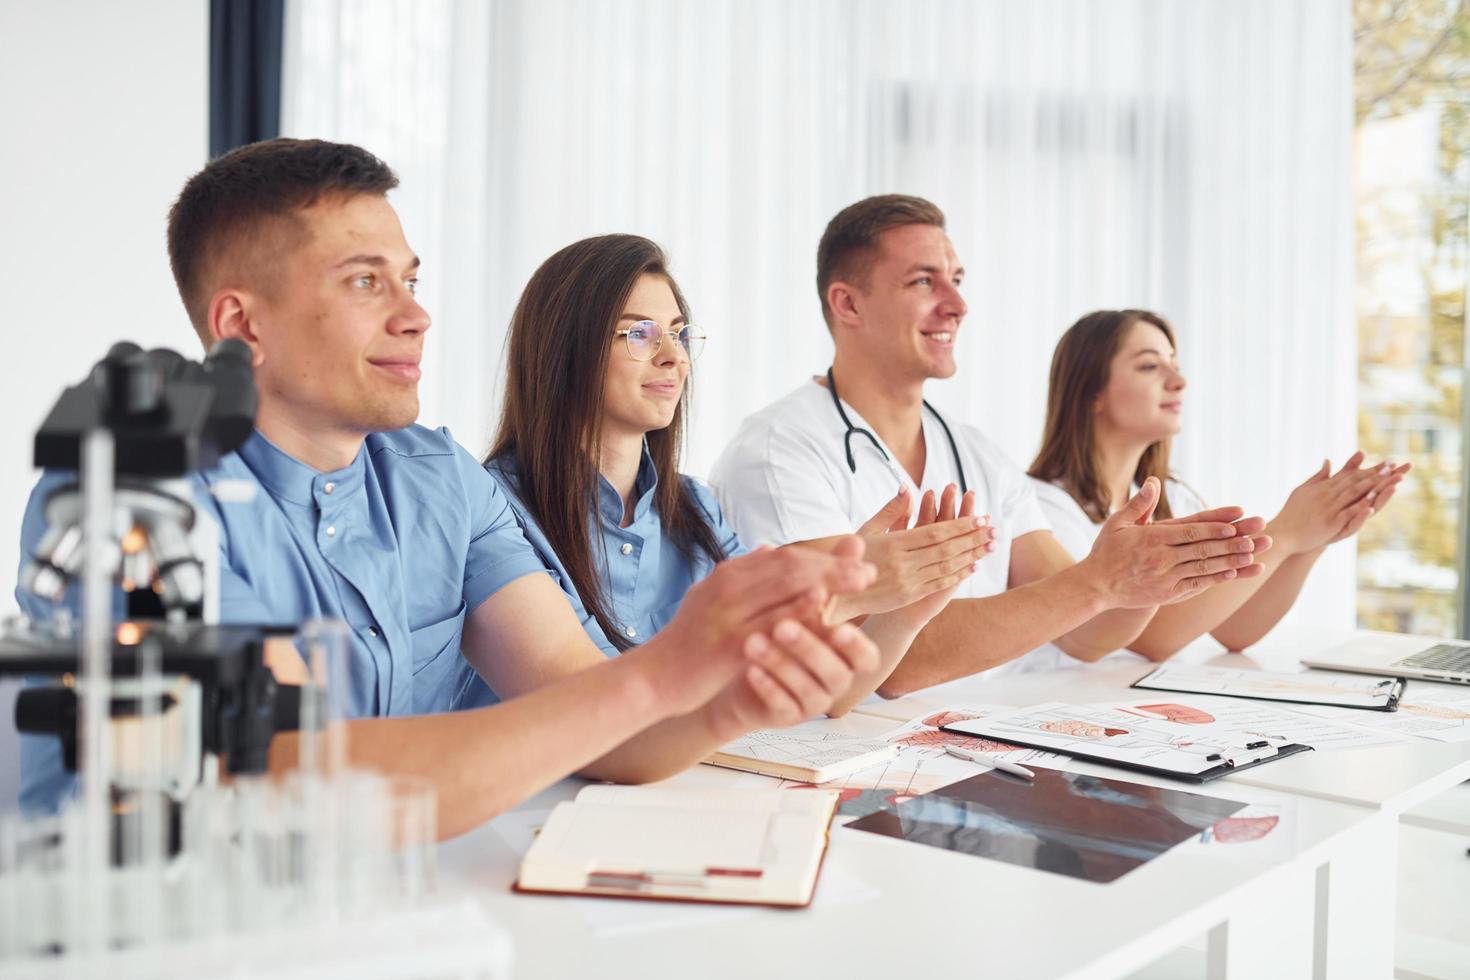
x=1079 y=373
x=561 y=336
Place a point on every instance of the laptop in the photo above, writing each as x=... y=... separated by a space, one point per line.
x=1419 y=657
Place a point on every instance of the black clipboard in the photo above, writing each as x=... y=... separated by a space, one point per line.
x=1395 y=692
x=1204 y=776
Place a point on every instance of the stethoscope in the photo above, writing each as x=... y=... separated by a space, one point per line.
x=853 y=430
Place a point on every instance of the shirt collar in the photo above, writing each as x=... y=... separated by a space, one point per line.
x=287 y=478
x=610 y=503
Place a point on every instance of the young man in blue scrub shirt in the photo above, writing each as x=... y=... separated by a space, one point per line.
x=292 y=247
x=817 y=461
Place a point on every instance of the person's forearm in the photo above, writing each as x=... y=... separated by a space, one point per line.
x=1178 y=624
x=1264 y=610
x=485 y=761
x=661 y=750
x=1104 y=633
x=893 y=636
x=971 y=635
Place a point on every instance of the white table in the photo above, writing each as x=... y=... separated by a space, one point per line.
x=1320 y=903
x=1356 y=895
x=949 y=914
x=946 y=914
x=1393 y=778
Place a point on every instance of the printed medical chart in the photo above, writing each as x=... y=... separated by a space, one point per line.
x=922 y=765
x=1327 y=687
x=1171 y=735
x=1103 y=732
x=1426 y=710
x=1279 y=724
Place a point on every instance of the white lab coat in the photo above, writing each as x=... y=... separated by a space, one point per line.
x=785 y=478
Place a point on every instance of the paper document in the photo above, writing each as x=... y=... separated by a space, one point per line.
x=1310 y=686
x=1426 y=710
x=1278 y=724
x=1116 y=734
x=921 y=745
x=921 y=764
x=1176 y=735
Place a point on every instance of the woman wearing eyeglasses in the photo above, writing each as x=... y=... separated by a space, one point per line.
x=1114 y=406
x=599 y=357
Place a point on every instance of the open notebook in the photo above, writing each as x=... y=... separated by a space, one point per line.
x=760 y=847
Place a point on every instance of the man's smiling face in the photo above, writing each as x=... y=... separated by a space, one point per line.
x=341 y=333
x=910 y=304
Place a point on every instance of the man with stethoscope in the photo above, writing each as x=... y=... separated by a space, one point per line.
x=821 y=460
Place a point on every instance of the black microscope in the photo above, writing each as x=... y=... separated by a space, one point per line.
x=165 y=417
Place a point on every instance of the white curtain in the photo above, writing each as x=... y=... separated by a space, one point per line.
x=1192 y=158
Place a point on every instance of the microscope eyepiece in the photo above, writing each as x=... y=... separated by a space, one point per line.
x=168 y=414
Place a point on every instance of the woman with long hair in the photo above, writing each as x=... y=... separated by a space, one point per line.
x=1114 y=406
x=596 y=398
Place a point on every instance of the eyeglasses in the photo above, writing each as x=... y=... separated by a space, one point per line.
x=644 y=338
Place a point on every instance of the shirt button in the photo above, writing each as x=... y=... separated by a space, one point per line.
x=329 y=488
x=627 y=549
x=331 y=531
x=631 y=632
x=372 y=631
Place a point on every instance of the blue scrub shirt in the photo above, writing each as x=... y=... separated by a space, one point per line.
x=399 y=545
x=644 y=572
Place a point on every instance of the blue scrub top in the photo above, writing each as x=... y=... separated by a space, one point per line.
x=399 y=545
x=644 y=572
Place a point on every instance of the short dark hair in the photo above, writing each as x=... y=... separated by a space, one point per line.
x=233 y=201
x=850 y=242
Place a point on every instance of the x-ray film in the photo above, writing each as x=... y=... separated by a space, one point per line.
x=1063 y=822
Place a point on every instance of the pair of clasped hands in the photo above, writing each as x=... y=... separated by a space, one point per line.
x=791 y=617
